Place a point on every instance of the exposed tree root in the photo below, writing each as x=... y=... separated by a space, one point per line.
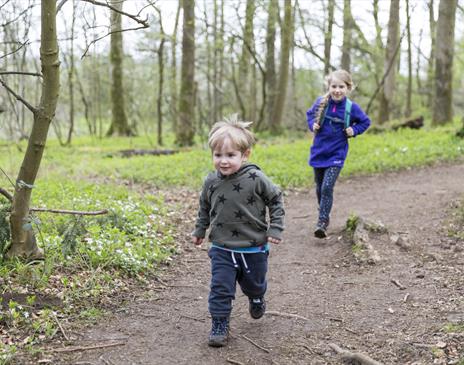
x=354 y=358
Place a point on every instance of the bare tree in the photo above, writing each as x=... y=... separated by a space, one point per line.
x=442 y=107
x=119 y=123
x=386 y=94
x=185 y=128
x=328 y=35
x=287 y=41
x=23 y=241
x=407 y=112
x=347 y=34
x=270 y=77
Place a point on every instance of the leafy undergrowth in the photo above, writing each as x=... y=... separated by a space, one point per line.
x=91 y=264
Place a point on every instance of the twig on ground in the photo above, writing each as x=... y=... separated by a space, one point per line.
x=335 y=319
x=353 y=356
x=86 y=348
x=288 y=315
x=254 y=343
x=234 y=362
x=406 y=297
x=193 y=318
x=60 y=326
x=64 y=211
x=398 y=284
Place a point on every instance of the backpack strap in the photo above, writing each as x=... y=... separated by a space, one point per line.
x=323 y=115
x=348 y=105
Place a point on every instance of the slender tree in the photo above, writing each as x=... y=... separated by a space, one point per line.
x=119 y=123
x=23 y=241
x=328 y=35
x=270 y=77
x=185 y=128
x=407 y=112
x=347 y=34
x=287 y=41
x=442 y=106
x=387 y=93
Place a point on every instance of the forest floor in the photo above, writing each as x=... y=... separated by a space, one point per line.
x=406 y=309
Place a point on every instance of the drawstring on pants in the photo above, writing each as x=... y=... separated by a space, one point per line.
x=247 y=270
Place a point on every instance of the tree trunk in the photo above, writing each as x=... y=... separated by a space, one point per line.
x=443 y=99
x=23 y=242
x=287 y=40
x=430 y=68
x=407 y=113
x=328 y=36
x=119 y=124
x=159 y=99
x=71 y=78
x=270 y=78
x=386 y=96
x=185 y=128
x=246 y=62
x=347 y=34
x=173 y=82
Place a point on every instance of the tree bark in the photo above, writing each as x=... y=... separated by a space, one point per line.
x=347 y=34
x=328 y=35
x=185 y=128
x=386 y=96
x=430 y=68
x=119 y=124
x=443 y=99
x=270 y=77
x=407 y=112
x=23 y=242
x=287 y=41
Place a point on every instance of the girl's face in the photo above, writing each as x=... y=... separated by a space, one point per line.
x=227 y=159
x=337 y=89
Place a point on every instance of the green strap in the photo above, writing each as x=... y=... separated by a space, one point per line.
x=348 y=105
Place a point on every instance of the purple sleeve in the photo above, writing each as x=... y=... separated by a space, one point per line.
x=311 y=114
x=359 y=120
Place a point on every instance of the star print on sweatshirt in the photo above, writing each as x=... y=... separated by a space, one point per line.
x=234 y=208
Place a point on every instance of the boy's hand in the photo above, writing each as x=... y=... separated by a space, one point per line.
x=316 y=127
x=274 y=240
x=197 y=240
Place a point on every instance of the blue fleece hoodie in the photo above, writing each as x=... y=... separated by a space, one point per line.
x=330 y=144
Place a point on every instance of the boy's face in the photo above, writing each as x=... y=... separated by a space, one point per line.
x=337 y=89
x=227 y=159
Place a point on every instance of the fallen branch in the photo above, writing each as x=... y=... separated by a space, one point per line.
x=288 y=315
x=64 y=211
x=254 y=343
x=234 y=362
x=355 y=357
x=398 y=284
x=86 y=348
x=61 y=327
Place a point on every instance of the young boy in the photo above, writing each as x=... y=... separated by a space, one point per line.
x=233 y=203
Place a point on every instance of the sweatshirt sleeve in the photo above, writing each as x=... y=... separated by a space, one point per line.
x=359 y=120
x=203 y=217
x=311 y=114
x=273 y=198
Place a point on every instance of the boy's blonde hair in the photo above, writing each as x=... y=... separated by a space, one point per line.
x=342 y=75
x=235 y=130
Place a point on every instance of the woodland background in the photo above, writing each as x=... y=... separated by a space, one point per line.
x=86 y=83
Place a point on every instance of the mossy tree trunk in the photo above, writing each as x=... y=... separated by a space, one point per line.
x=185 y=127
x=287 y=41
x=22 y=238
x=347 y=35
x=119 y=124
x=270 y=76
x=443 y=99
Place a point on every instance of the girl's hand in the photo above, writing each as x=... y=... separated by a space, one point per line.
x=349 y=132
x=197 y=240
x=274 y=240
x=316 y=127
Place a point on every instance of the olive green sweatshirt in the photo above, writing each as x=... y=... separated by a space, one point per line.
x=234 y=206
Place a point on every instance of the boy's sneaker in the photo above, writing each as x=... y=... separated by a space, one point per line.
x=257 y=307
x=321 y=229
x=219 y=332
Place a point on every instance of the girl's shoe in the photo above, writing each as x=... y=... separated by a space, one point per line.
x=219 y=332
x=321 y=229
x=257 y=307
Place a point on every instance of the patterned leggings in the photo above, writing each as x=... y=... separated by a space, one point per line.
x=325 y=179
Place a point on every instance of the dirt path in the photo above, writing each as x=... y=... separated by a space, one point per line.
x=355 y=306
